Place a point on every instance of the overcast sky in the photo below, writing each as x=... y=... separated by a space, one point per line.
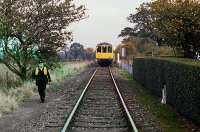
x=106 y=19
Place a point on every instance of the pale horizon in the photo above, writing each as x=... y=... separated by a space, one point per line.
x=106 y=20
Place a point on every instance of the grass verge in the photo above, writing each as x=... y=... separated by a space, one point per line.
x=169 y=120
x=66 y=70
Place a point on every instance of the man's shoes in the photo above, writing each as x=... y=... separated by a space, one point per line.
x=42 y=100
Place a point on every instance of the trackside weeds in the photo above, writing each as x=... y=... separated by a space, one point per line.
x=11 y=97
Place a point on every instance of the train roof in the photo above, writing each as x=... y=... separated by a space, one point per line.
x=104 y=44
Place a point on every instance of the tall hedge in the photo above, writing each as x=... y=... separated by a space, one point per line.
x=182 y=78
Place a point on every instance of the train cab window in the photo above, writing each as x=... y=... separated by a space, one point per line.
x=104 y=49
x=99 y=49
x=109 y=49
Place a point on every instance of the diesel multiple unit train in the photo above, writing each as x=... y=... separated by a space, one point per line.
x=104 y=54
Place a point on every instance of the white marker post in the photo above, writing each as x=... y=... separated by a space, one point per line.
x=118 y=58
x=164 y=94
x=123 y=52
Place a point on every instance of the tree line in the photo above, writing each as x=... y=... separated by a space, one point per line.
x=76 y=52
x=175 y=23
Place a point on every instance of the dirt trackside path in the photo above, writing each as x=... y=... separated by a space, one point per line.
x=32 y=115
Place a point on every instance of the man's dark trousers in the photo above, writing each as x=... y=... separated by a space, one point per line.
x=41 y=90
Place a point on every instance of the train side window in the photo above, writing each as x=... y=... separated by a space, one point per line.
x=109 y=49
x=99 y=49
x=104 y=49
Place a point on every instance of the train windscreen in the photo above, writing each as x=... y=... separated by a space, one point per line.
x=104 y=49
x=109 y=49
x=99 y=49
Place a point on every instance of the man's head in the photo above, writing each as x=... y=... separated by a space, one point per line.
x=41 y=64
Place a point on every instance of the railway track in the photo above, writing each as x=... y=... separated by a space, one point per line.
x=100 y=108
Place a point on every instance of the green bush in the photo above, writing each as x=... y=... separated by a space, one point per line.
x=182 y=78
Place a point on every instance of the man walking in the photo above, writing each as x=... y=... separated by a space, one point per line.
x=42 y=78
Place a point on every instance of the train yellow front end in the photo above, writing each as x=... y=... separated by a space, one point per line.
x=104 y=54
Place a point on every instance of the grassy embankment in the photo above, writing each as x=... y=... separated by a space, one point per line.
x=13 y=91
x=169 y=119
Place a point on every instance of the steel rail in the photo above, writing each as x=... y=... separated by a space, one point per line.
x=77 y=104
x=123 y=103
